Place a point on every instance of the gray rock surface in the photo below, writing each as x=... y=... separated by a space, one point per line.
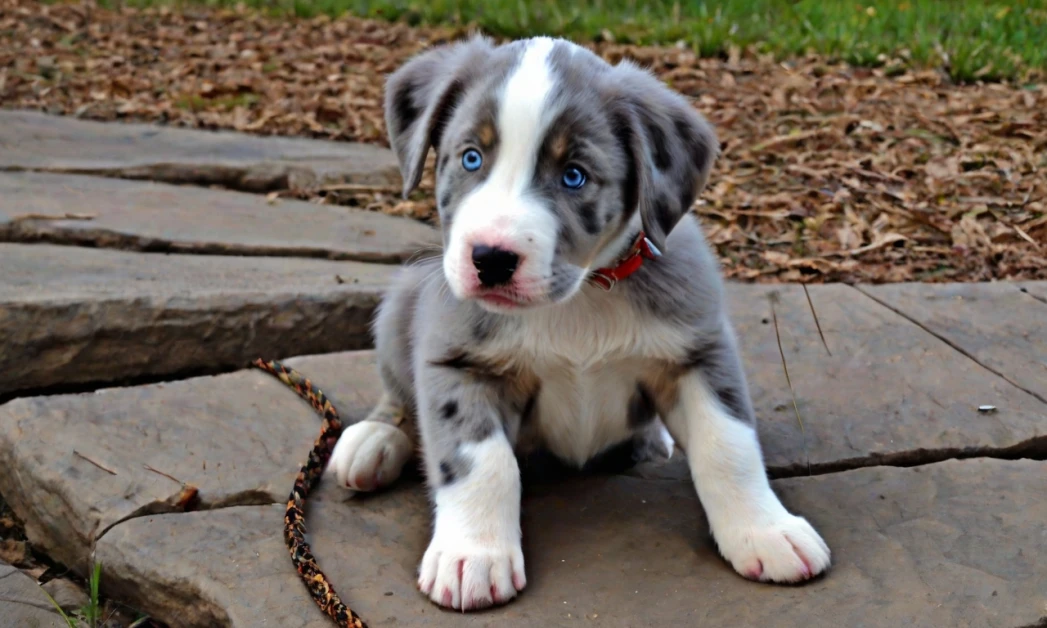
x=112 y=213
x=994 y=323
x=67 y=594
x=36 y=141
x=74 y=315
x=955 y=544
x=890 y=392
x=23 y=604
x=78 y=463
x=1037 y=289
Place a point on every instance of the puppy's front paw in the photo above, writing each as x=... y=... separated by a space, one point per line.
x=369 y=455
x=464 y=574
x=784 y=549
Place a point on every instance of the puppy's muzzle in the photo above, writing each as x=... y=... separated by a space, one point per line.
x=494 y=266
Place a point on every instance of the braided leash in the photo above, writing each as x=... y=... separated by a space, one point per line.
x=294 y=518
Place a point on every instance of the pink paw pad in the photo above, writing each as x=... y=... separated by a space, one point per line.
x=755 y=572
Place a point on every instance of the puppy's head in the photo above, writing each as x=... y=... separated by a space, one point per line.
x=549 y=161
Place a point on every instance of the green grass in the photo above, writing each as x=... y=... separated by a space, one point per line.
x=90 y=616
x=970 y=39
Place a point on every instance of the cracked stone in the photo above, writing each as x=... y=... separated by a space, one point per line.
x=112 y=213
x=890 y=392
x=77 y=464
x=36 y=141
x=79 y=316
x=993 y=322
x=23 y=603
x=1037 y=289
x=956 y=543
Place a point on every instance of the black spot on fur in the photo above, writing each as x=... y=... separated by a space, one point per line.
x=444 y=111
x=687 y=196
x=483 y=430
x=447 y=474
x=623 y=134
x=565 y=237
x=663 y=159
x=445 y=199
x=663 y=213
x=406 y=112
x=449 y=409
x=443 y=161
x=732 y=401
x=699 y=152
x=528 y=410
x=461 y=360
x=712 y=361
x=641 y=407
x=587 y=212
x=699 y=357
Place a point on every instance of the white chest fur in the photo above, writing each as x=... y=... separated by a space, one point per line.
x=580 y=412
x=589 y=355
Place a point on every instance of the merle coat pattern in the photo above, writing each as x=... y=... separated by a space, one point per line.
x=549 y=163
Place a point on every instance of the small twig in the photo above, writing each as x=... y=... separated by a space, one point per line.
x=773 y=298
x=358 y=187
x=66 y=216
x=168 y=476
x=97 y=464
x=816 y=323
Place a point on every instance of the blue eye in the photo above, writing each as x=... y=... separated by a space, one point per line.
x=472 y=160
x=573 y=178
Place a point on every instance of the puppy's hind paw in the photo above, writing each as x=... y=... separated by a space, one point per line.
x=369 y=455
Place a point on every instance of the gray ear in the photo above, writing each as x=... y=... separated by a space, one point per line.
x=419 y=98
x=672 y=146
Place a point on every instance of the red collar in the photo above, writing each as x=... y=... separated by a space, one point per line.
x=642 y=248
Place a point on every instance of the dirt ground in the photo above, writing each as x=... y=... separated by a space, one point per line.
x=828 y=172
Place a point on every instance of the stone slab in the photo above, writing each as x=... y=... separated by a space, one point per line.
x=956 y=544
x=35 y=141
x=890 y=392
x=995 y=323
x=75 y=465
x=23 y=604
x=84 y=316
x=113 y=213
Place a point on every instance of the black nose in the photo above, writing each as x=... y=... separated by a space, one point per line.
x=494 y=266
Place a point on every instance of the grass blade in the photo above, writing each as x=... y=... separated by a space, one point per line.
x=773 y=298
x=816 y=323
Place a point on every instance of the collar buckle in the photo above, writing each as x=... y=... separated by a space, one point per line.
x=608 y=278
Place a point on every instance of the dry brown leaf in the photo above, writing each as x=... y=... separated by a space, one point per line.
x=820 y=161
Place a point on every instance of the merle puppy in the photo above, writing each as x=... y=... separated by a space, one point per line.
x=576 y=306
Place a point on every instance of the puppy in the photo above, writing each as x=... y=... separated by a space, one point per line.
x=576 y=306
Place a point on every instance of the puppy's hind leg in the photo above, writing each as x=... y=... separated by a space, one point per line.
x=372 y=453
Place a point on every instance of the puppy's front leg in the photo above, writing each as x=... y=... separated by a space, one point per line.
x=712 y=422
x=475 y=558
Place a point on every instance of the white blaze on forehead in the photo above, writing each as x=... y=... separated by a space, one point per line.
x=500 y=212
x=522 y=116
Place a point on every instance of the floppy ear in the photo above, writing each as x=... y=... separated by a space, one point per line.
x=419 y=98
x=673 y=149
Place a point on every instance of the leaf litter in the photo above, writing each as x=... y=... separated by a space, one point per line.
x=828 y=172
